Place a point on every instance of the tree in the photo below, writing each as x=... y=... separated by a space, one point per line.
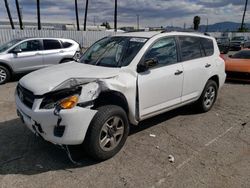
x=197 y=20
x=86 y=14
x=77 y=18
x=9 y=14
x=38 y=14
x=106 y=24
x=19 y=15
x=243 y=17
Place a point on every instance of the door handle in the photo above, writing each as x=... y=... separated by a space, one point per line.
x=208 y=65
x=61 y=51
x=178 y=72
x=38 y=53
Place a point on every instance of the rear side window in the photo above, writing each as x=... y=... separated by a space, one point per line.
x=66 y=44
x=190 y=47
x=51 y=44
x=208 y=46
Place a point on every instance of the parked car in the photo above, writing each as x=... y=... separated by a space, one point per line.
x=236 y=42
x=246 y=45
x=223 y=44
x=238 y=66
x=120 y=80
x=29 y=54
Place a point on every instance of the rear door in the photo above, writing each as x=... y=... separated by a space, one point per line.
x=196 y=64
x=160 y=87
x=53 y=51
x=29 y=56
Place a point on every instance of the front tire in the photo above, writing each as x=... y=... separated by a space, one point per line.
x=4 y=75
x=208 y=96
x=107 y=132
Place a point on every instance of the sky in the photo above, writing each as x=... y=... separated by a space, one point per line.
x=151 y=12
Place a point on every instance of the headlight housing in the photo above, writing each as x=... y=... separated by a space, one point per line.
x=70 y=97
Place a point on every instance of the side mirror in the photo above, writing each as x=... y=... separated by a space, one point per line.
x=230 y=56
x=148 y=63
x=16 y=51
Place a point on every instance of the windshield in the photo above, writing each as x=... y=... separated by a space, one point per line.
x=7 y=45
x=244 y=54
x=238 y=38
x=113 y=51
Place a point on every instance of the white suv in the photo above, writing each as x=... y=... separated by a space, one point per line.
x=119 y=81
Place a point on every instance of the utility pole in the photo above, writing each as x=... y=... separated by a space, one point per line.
x=138 y=21
x=243 y=18
x=38 y=15
x=115 y=16
x=77 y=18
x=9 y=15
x=86 y=14
x=207 y=26
x=19 y=15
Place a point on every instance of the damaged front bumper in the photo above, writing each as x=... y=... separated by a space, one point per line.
x=71 y=130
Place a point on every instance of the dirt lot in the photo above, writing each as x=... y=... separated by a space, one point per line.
x=210 y=150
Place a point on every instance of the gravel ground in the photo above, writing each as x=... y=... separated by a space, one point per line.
x=210 y=150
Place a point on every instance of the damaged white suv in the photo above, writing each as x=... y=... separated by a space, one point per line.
x=120 y=80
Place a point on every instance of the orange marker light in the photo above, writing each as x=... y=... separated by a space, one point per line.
x=69 y=102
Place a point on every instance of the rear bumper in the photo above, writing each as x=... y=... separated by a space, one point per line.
x=71 y=130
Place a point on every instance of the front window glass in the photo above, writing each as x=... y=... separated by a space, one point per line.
x=164 y=51
x=29 y=46
x=113 y=51
x=7 y=45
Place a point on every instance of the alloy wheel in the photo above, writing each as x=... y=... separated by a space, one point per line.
x=111 y=133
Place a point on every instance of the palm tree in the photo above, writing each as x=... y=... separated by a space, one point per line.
x=9 y=15
x=86 y=14
x=77 y=18
x=38 y=15
x=243 y=18
x=19 y=15
x=115 y=16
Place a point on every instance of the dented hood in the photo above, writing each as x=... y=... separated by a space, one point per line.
x=45 y=80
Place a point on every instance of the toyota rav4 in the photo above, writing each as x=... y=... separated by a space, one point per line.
x=120 y=81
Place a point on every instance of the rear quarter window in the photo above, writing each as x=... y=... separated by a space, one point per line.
x=66 y=44
x=208 y=46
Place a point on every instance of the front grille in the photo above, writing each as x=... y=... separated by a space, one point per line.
x=26 y=96
x=239 y=75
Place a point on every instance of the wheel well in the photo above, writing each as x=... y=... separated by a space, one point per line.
x=112 y=98
x=7 y=67
x=216 y=79
x=70 y=59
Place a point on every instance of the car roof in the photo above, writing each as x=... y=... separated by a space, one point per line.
x=30 y=38
x=151 y=34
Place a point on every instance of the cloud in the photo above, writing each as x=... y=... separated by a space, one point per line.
x=152 y=12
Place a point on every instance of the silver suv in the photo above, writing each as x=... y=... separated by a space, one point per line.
x=29 y=54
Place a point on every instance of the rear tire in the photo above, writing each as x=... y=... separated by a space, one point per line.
x=4 y=75
x=208 y=96
x=107 y=133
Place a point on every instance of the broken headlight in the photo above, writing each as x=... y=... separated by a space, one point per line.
x=51 y=100
x=85 y=93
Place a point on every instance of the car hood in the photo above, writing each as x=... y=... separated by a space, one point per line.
x=45 y=80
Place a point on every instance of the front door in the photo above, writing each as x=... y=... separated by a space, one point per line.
x=27 y=56
x=160 y=87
